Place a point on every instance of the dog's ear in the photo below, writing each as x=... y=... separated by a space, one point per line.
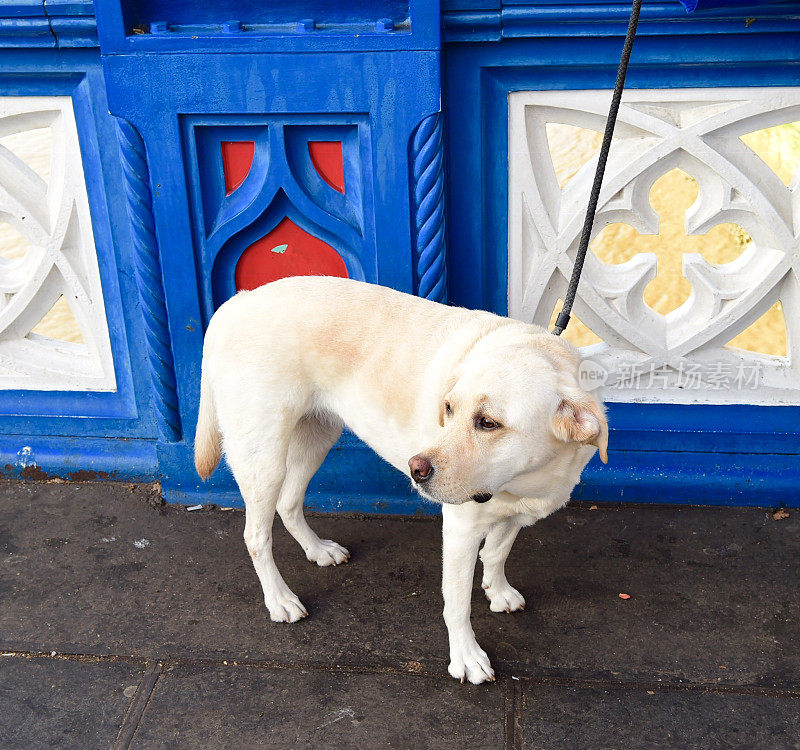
x=579 y=418
x=448 y=386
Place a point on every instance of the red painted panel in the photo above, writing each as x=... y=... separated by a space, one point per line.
x=287 y=250
x=326 y=156
x=237 y=158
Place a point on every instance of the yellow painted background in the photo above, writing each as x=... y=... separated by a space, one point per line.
x=671 y=195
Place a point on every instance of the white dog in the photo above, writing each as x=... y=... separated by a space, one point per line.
x=484 y=413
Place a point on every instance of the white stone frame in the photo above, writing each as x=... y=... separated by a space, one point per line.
x=61 y=258
x=696 y=130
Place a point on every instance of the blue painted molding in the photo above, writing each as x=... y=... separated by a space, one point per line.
x=692 y=478
x=48 y=23
x=72 y=22
x=77 y=458
x=427 y=167
x=26 y=32
x=150 y=285
x=471 y=26
x=354 y=479
x=21 y=8
x=259 y=26
x=467 y=21
x=74 y=32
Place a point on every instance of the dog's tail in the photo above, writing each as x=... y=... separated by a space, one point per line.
x=207 y=438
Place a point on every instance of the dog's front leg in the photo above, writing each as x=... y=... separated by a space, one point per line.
x=461 y=538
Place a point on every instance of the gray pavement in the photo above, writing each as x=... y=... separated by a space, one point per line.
x=127 y=623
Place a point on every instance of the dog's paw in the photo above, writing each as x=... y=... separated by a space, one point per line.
x=503 y=597
x=285 y=607
x=327 y=552
x=470 y=662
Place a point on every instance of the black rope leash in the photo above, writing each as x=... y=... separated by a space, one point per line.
x=563 y=317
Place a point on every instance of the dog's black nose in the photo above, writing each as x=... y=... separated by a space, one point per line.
x=421 y=469
x=482 y=497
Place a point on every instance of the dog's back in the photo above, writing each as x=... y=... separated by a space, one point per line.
x=316 y=338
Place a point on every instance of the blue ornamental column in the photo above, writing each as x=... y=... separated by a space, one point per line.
x=428 y=209
x=188 y=85
x=147 y=272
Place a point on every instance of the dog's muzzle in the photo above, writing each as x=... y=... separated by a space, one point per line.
x=482 y=497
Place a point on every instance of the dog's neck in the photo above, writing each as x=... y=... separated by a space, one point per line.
x=551 y=483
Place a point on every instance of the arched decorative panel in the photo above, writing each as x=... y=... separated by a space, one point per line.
x=283 y=197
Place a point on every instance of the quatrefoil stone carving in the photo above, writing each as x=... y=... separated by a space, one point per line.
x=697 y=131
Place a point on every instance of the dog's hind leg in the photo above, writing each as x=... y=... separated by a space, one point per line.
x=259 y=466
x=310 y=442
x=502 y=596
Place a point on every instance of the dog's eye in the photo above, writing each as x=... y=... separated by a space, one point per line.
x=448 y=409
x=484 y=423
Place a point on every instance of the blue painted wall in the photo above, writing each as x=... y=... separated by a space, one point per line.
x=370 y=90
x=158 y=85
x=657 y=452
x=68 y=432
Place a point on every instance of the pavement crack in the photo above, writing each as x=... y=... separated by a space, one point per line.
x=141 y=698
x=434 y=670
x=76 y=656
x=636 y=685
x=513 y=712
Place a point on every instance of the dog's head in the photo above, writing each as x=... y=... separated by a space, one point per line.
x=512 y=417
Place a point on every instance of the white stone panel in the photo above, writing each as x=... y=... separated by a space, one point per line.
x=43 y=197
x=680 y=357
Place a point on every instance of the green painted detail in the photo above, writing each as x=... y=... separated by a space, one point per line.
x=279 y=249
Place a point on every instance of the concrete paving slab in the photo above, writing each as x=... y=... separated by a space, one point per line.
x=47 y=702
x=713 y=597
x=248 y=707
x=713 y=591
x=103 y=572
x=613 y=717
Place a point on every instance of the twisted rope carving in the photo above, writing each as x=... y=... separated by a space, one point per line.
x=147 y=272
x=428 y=209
